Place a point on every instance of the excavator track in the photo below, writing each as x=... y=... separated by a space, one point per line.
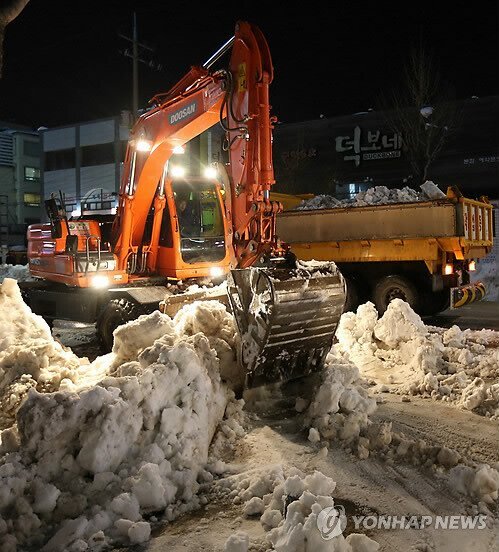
x=287 y=319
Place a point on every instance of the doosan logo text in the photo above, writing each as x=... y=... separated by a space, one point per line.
x=182 y=113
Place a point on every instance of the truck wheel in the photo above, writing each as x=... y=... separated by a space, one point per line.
x=352 y=300
x=395 y=287
x=115 y=313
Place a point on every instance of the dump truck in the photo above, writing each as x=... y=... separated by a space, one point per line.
x=420 y=252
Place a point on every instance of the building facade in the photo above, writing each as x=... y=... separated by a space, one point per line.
x=344 y=155
x=20 y=184
x=85 y=162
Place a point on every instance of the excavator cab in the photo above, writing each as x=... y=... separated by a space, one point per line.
x=195 y=235
x=200 y=220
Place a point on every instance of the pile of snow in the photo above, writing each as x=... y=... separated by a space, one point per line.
x=238 y=542
x=341 y=405
x=119 y=438
x=480 y=483
x=377 y=195
x=401 y=354
x=17 y=272
x=398 y=353
x=289 y=505
x=29 y=356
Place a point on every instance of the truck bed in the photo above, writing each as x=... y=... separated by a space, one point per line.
x=436 y=219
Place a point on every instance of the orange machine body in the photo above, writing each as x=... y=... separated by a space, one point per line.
x=235 y=220
x=48 y=257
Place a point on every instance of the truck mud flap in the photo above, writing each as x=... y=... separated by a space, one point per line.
x=287 y=319
x=465 y=295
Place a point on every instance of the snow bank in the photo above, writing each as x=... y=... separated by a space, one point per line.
x=29 y=356
x=113 y=440
x=341 y=405
x=377 y=195
x=17 y=272
x=289 y=506
x=399 y=353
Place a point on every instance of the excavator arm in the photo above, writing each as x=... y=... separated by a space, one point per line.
x=238 y=98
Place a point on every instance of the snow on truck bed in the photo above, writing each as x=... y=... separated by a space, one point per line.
x=377 y=195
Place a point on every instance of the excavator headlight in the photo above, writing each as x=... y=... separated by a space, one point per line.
x=472 y=266
x=100 y=281
x=177 y=171
x=216 y=271
x=210 y=172
x=143 y=145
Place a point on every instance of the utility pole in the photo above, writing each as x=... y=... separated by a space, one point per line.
x=135 y=49
x=134 y=53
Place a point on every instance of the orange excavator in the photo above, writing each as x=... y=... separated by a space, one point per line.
x=172 y=229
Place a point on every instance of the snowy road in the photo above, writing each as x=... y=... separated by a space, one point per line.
x=473 y=436
x=416 y=455
x=371 y=486
x=376 y=485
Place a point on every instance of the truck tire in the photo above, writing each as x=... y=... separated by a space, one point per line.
x=114 y=313
x=395 y=287
x=352 y=300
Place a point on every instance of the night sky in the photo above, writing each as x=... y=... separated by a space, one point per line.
x=63 y=61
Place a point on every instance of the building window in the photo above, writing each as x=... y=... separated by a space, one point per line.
x=32 y=200
x=32 y=174
x=61 y=159
x=31 y=149
x=100 y=154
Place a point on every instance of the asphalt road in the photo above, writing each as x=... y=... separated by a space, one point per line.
x=483 y=314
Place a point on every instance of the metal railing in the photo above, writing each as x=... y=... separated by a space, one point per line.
x=87 y=251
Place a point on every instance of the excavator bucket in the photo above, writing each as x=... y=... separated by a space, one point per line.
x=287 y=319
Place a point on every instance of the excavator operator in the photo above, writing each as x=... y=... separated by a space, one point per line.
x=185 y=217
